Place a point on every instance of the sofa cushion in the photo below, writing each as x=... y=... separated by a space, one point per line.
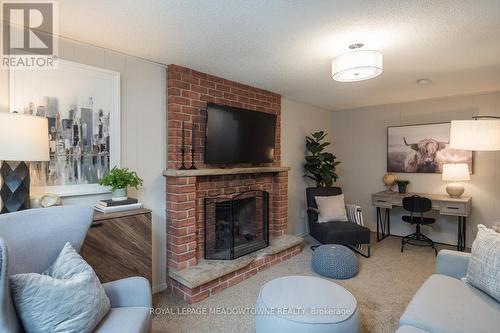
x=484 y=264
x=8 y=317
x=126 y=320
x=67 y=297
x=447 y=305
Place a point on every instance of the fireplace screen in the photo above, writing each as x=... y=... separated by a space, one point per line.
x=236 y=226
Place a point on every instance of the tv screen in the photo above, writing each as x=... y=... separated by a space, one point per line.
x=235 y=135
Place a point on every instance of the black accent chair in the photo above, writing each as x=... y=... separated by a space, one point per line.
x=352 y=234
x=419 y=205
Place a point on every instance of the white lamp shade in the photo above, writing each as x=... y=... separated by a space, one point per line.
x=479 y=135
x=23 y=138
x=357 y=66
x=456 y=172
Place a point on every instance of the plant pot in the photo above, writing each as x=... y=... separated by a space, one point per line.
x=119 y=194
x=402 y=188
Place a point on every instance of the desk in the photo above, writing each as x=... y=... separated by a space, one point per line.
x=459 y=207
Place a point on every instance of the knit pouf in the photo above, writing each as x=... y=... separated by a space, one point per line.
x=335 y=261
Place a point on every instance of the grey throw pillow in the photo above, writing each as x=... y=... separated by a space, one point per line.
x=67 y=297
x=484 y=265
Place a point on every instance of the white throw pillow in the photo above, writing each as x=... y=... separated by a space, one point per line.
x=484 y=265
x=331 y=209
x=67 y=297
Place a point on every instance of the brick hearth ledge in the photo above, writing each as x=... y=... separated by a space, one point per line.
x=209 y=277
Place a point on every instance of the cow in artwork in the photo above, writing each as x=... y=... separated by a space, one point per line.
x=424 y=156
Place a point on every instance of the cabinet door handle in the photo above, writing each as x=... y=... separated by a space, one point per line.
x=381 y=201
x=96 y=225
x=453 y=207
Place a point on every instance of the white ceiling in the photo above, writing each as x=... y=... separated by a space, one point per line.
x=287 y=45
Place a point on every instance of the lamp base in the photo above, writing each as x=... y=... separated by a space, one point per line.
x=15 y=191
x=455 y=190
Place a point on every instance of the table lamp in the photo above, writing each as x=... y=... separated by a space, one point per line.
x=23 y=138
x=455 y=173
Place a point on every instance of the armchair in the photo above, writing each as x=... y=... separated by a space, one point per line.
x=30 y=241
x=352 y=234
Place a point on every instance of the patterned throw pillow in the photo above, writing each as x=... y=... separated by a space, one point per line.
x=484 y=265
x=67 y=297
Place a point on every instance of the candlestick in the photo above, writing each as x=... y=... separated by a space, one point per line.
x=182 y=134
x=192 y=148
x=183 y=148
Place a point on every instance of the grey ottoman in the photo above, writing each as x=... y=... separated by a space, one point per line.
x=335 y=261
x=305 y=304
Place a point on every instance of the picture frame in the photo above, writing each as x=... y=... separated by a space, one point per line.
x=83 y=106
x=423 y=148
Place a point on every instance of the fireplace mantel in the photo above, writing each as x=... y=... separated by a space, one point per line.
x=218 y=172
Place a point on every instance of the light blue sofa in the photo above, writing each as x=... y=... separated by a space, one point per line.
x=446 y=304
x=30 y=241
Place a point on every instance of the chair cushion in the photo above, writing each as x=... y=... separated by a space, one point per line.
x=447 y=305
x=67 y=297
x=126 y=320
x=418 y=220
x=340 y=233
x=331 y=208
x=484 y=264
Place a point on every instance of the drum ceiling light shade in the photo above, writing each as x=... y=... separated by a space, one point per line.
x=477 y=134
x=357 y=66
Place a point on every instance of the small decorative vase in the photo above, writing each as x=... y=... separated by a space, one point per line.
x=402 y=188
x=119 y=194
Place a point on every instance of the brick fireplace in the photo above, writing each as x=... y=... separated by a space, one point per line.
x=188 y=92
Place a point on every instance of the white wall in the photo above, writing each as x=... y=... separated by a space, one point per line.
x=297 y=121
x=143 y=132
x=360 y=139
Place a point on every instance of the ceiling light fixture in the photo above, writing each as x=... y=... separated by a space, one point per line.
x=357 y=65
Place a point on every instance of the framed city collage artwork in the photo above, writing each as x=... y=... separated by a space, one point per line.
x=82 y=105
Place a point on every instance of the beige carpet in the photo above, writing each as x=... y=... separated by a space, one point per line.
x=384 y=286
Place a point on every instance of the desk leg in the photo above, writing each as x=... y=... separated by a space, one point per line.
x=383 y=223
x=462 y=230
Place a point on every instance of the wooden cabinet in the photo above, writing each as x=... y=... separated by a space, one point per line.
x=118 y=245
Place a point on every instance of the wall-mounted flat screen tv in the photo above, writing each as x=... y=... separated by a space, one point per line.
x=235 y=135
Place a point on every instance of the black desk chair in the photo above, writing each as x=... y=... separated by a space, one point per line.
x=417 y=205
x=352 y=234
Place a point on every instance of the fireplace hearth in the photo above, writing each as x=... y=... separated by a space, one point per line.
x=236 y=226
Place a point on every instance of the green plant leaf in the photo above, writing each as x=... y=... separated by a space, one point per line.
x=121 y=178
x=319 y=165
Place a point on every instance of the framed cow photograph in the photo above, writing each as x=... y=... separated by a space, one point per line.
x=422 y=149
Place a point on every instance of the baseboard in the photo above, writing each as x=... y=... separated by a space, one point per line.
x=304 y=234
x=159 y=288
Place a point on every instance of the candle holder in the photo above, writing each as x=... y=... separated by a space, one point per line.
x=183 y=165
x=183 y=148
x=193 y=167
x=192 y=147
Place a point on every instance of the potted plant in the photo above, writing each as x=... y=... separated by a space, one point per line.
x=120 y=179
x=402 y=185
x=320 y=165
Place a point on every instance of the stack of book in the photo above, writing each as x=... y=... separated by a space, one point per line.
x=110 y=206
